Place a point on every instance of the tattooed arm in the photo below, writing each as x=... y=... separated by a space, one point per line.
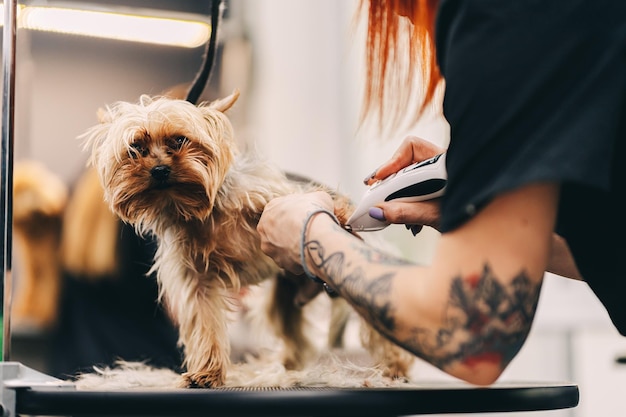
x=426 y=213
x=469 y=312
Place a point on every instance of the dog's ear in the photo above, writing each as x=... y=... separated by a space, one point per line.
x=104 y=116
x=225 y=103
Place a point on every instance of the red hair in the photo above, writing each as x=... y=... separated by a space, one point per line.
x=400 y=59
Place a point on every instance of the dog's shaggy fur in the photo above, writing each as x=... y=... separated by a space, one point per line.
x=332 y=369
x=172 y=169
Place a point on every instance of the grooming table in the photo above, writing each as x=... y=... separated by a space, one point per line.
x=28 y=392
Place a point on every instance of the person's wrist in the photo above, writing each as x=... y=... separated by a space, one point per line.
x=307 y=247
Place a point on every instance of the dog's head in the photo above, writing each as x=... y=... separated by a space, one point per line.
x=161 y=157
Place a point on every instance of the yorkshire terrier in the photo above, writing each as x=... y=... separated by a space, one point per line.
x=172 y=169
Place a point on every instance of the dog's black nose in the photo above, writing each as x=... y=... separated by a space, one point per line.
x=160 y=172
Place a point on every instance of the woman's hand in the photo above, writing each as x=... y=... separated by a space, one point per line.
x=281 y=226
x=413 y=215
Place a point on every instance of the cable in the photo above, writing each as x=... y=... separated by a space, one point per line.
x=204 y=74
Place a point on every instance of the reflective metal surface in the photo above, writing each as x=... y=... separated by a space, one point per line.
x=6 y=183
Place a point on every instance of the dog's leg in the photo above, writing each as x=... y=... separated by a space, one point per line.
x=202 y=319
x=287 y=319
x=340 y=314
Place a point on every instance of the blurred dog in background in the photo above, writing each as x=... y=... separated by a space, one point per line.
x=39 y=201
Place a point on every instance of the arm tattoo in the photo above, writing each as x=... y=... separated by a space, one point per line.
x=485 y=321
x=370 y=296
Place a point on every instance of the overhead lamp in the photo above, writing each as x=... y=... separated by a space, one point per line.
x=182 y=29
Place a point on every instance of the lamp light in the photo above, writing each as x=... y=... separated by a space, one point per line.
x=177 y=29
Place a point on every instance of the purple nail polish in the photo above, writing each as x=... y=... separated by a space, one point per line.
x=369 y=177
x=376 y=213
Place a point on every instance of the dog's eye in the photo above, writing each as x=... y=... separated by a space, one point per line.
x=138 y=149
x=178 y=142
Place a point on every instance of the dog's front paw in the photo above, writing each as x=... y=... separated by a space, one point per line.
x=202 y=380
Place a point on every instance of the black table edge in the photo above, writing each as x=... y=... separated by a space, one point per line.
x=310 y=401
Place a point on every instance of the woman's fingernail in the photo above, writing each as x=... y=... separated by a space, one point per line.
x=369 y=177
x=407 y=226
x=376 y=213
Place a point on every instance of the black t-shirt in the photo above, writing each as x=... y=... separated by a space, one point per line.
x=536 y=92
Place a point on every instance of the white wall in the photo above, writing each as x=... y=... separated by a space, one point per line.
x=300 y=116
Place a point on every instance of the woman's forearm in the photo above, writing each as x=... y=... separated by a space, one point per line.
x=401 y=301
x=362 y=274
